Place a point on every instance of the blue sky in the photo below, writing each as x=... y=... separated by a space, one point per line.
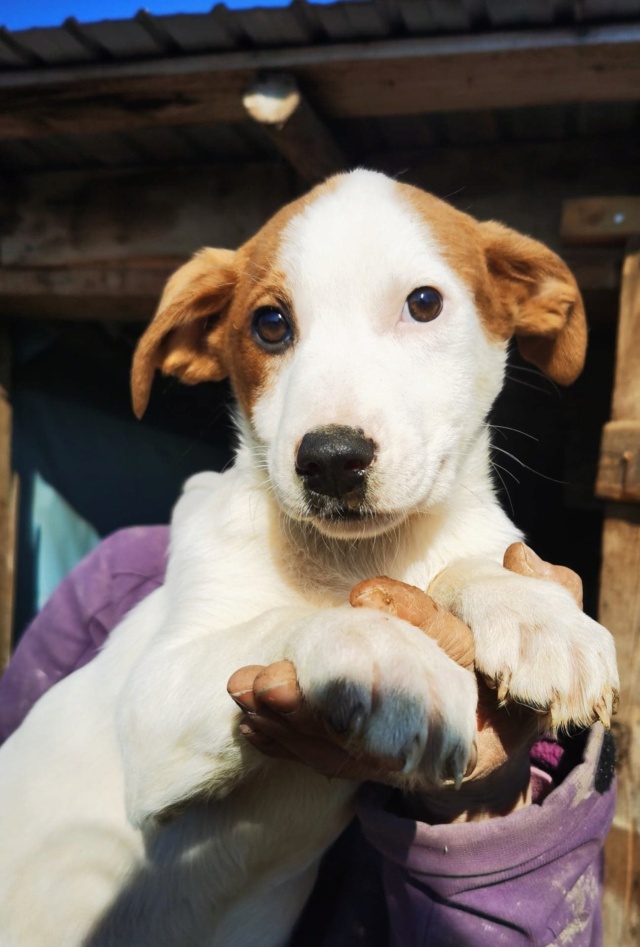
x=23 y=14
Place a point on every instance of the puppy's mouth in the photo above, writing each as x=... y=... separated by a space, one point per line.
x=339 y=508
x=338 y=518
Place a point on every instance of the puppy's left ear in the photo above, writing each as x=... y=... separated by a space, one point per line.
x=536 y=298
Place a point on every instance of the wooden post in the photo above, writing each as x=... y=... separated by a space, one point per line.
x=620 y=611
x=8 y=506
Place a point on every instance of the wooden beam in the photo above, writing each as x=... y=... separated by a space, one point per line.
x=149 y=217
x=620 y=612
x=391 y=77
x=147 y=214
x=80 y=217
x=277 y=105
x=128 y=291
x=590 y=220
x=107 y=292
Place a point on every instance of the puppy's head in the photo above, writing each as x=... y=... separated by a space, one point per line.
x=364 y=329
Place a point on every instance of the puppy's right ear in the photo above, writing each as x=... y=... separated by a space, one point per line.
x=187 y=334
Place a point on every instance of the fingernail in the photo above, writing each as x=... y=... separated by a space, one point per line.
x=236 y=699
x=532 y=558
x=375 y=597
x=272 y=687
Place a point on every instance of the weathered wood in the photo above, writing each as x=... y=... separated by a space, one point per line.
x=391 y=77
x=600 y=219
x=284 y=114
x=73 y=217
x=619 y=468
x=8 y=502
x=110 y=291
x=620 y=611
x=626 y=392
x=82 y=217
x=126 y=291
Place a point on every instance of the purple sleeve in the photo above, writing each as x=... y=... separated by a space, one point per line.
x=533 y=877
x=82 y=611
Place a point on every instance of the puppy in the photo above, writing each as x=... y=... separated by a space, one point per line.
x=364 y=329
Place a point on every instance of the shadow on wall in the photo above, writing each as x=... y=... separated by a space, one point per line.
x=83 y=458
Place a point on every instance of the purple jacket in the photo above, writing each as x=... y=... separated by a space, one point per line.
x=533 y=877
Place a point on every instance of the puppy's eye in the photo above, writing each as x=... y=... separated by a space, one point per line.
x=271 y=329
x=423 y=305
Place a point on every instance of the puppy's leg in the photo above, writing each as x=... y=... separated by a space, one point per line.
x=533 y=641
x=374 y=677
x=177 y=726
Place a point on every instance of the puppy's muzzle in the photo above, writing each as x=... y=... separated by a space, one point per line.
x=333 y=462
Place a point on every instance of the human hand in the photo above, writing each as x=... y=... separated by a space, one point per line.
x=278 y=722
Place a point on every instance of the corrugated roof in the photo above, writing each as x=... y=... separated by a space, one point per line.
x=300 y=25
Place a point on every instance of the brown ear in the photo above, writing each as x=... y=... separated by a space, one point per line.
x=186 y=336
x=539 y=302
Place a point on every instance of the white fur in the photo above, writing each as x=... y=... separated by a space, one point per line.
x=89 y=780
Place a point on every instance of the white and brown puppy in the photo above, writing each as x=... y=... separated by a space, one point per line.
x=364 y=329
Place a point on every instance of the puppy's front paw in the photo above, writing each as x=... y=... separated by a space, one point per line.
x=538 y=648
x=389 y=690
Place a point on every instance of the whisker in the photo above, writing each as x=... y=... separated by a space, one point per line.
x=526 y=466
x=525 y=384
x=505 y=470
x=504 y=486
x=503 y=427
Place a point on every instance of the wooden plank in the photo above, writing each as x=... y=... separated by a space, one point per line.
x=277 y=105
x=127 y=291
x=71 y=217
x=626 y=392
x=390 y=77
x=110 y=291
x=8 y=503
x=619 y=467
x=63 y=218
x=600 y=219
x=620 y=611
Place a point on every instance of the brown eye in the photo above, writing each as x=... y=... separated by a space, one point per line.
x=271 y=329
x=423 y=305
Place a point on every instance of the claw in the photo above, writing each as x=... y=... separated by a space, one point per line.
x=556 y=715
x=452 y=774
x=503 y=681
x=603 y=714
x=412 y=756
x=473 y=759
x=615 y=702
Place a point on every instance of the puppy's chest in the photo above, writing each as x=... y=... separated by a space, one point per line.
x=323 y=574
x=252 y=558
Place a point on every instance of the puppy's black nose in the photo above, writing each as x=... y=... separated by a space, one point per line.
x=333 y=460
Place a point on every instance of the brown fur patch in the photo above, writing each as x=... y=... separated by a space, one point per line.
x=202 y=327
x=520 y=287
x=186 y=336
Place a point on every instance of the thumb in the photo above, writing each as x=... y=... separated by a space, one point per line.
x=521 y=559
